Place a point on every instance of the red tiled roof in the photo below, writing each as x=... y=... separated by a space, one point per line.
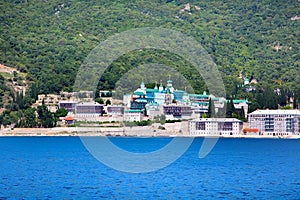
x=69 y=118
x=250 y=129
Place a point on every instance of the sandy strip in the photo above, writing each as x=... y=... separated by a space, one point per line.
x=127 y=131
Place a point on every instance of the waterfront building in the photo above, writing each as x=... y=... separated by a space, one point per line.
x=68 y=105
x=215 y=127
x=133 y=115
x=275 y=122
x=152 y=110
x=115 y=110
x=177 y=111
x=69 y=120
x=161 y=95
x=89 y=108
x=88 y=111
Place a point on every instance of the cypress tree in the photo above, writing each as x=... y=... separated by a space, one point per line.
x=211 y=109
x=230 y=109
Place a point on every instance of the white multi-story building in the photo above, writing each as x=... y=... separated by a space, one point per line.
x=133 y=115
x=88 y=111
x=215 y=126
x=275 y=122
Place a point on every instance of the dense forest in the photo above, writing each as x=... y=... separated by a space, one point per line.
x=49 y=39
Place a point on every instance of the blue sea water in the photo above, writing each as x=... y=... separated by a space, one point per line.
x=61 y=168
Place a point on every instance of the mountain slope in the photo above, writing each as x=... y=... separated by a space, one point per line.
x=50 y=39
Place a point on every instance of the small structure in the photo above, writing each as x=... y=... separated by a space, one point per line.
x=215 y=127
x=250 y=131
x=69 y=120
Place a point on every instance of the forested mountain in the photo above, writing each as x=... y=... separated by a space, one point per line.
x=49 y=39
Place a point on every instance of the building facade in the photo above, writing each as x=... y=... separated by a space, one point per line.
x=114 y=110
x=133 y=115
x=152 y=110
x=177 y=111
x=68 y=105
x=275 y=122
x=88 y=111
x=89 y=108
x=215 y=127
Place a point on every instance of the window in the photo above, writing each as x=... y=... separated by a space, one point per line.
x=200 y=126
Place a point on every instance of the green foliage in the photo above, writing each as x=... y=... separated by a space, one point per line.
x=160 y=119
x=204 y=115
x=242 y=115
x=45 y=117
x=230 y=110
x=30 y=118
x=50 y=40
x=61 y=112
x=173 y=121
x=107 y=102
x=286 y=107
x=211 y=110
x=99 y=100
x=138 y=123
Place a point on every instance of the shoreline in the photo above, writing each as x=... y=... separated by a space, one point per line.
x=119 y=132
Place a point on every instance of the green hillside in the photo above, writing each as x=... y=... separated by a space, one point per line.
x=49 y=39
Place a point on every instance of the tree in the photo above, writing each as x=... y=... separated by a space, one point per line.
x=1 y=120
x=30 y=118
x=204 y=115
x=295 y=103
x=99 y=100
x=230 y=109
x=162 y=119
x=242 y=115
x=46 y=118
x=6 y=120
x=108 y=102
x=61 y=112
x=211 y=109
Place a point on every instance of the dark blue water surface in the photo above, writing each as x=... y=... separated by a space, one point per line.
x=61 y=168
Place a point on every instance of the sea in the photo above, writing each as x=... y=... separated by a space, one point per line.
x=63 y=168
